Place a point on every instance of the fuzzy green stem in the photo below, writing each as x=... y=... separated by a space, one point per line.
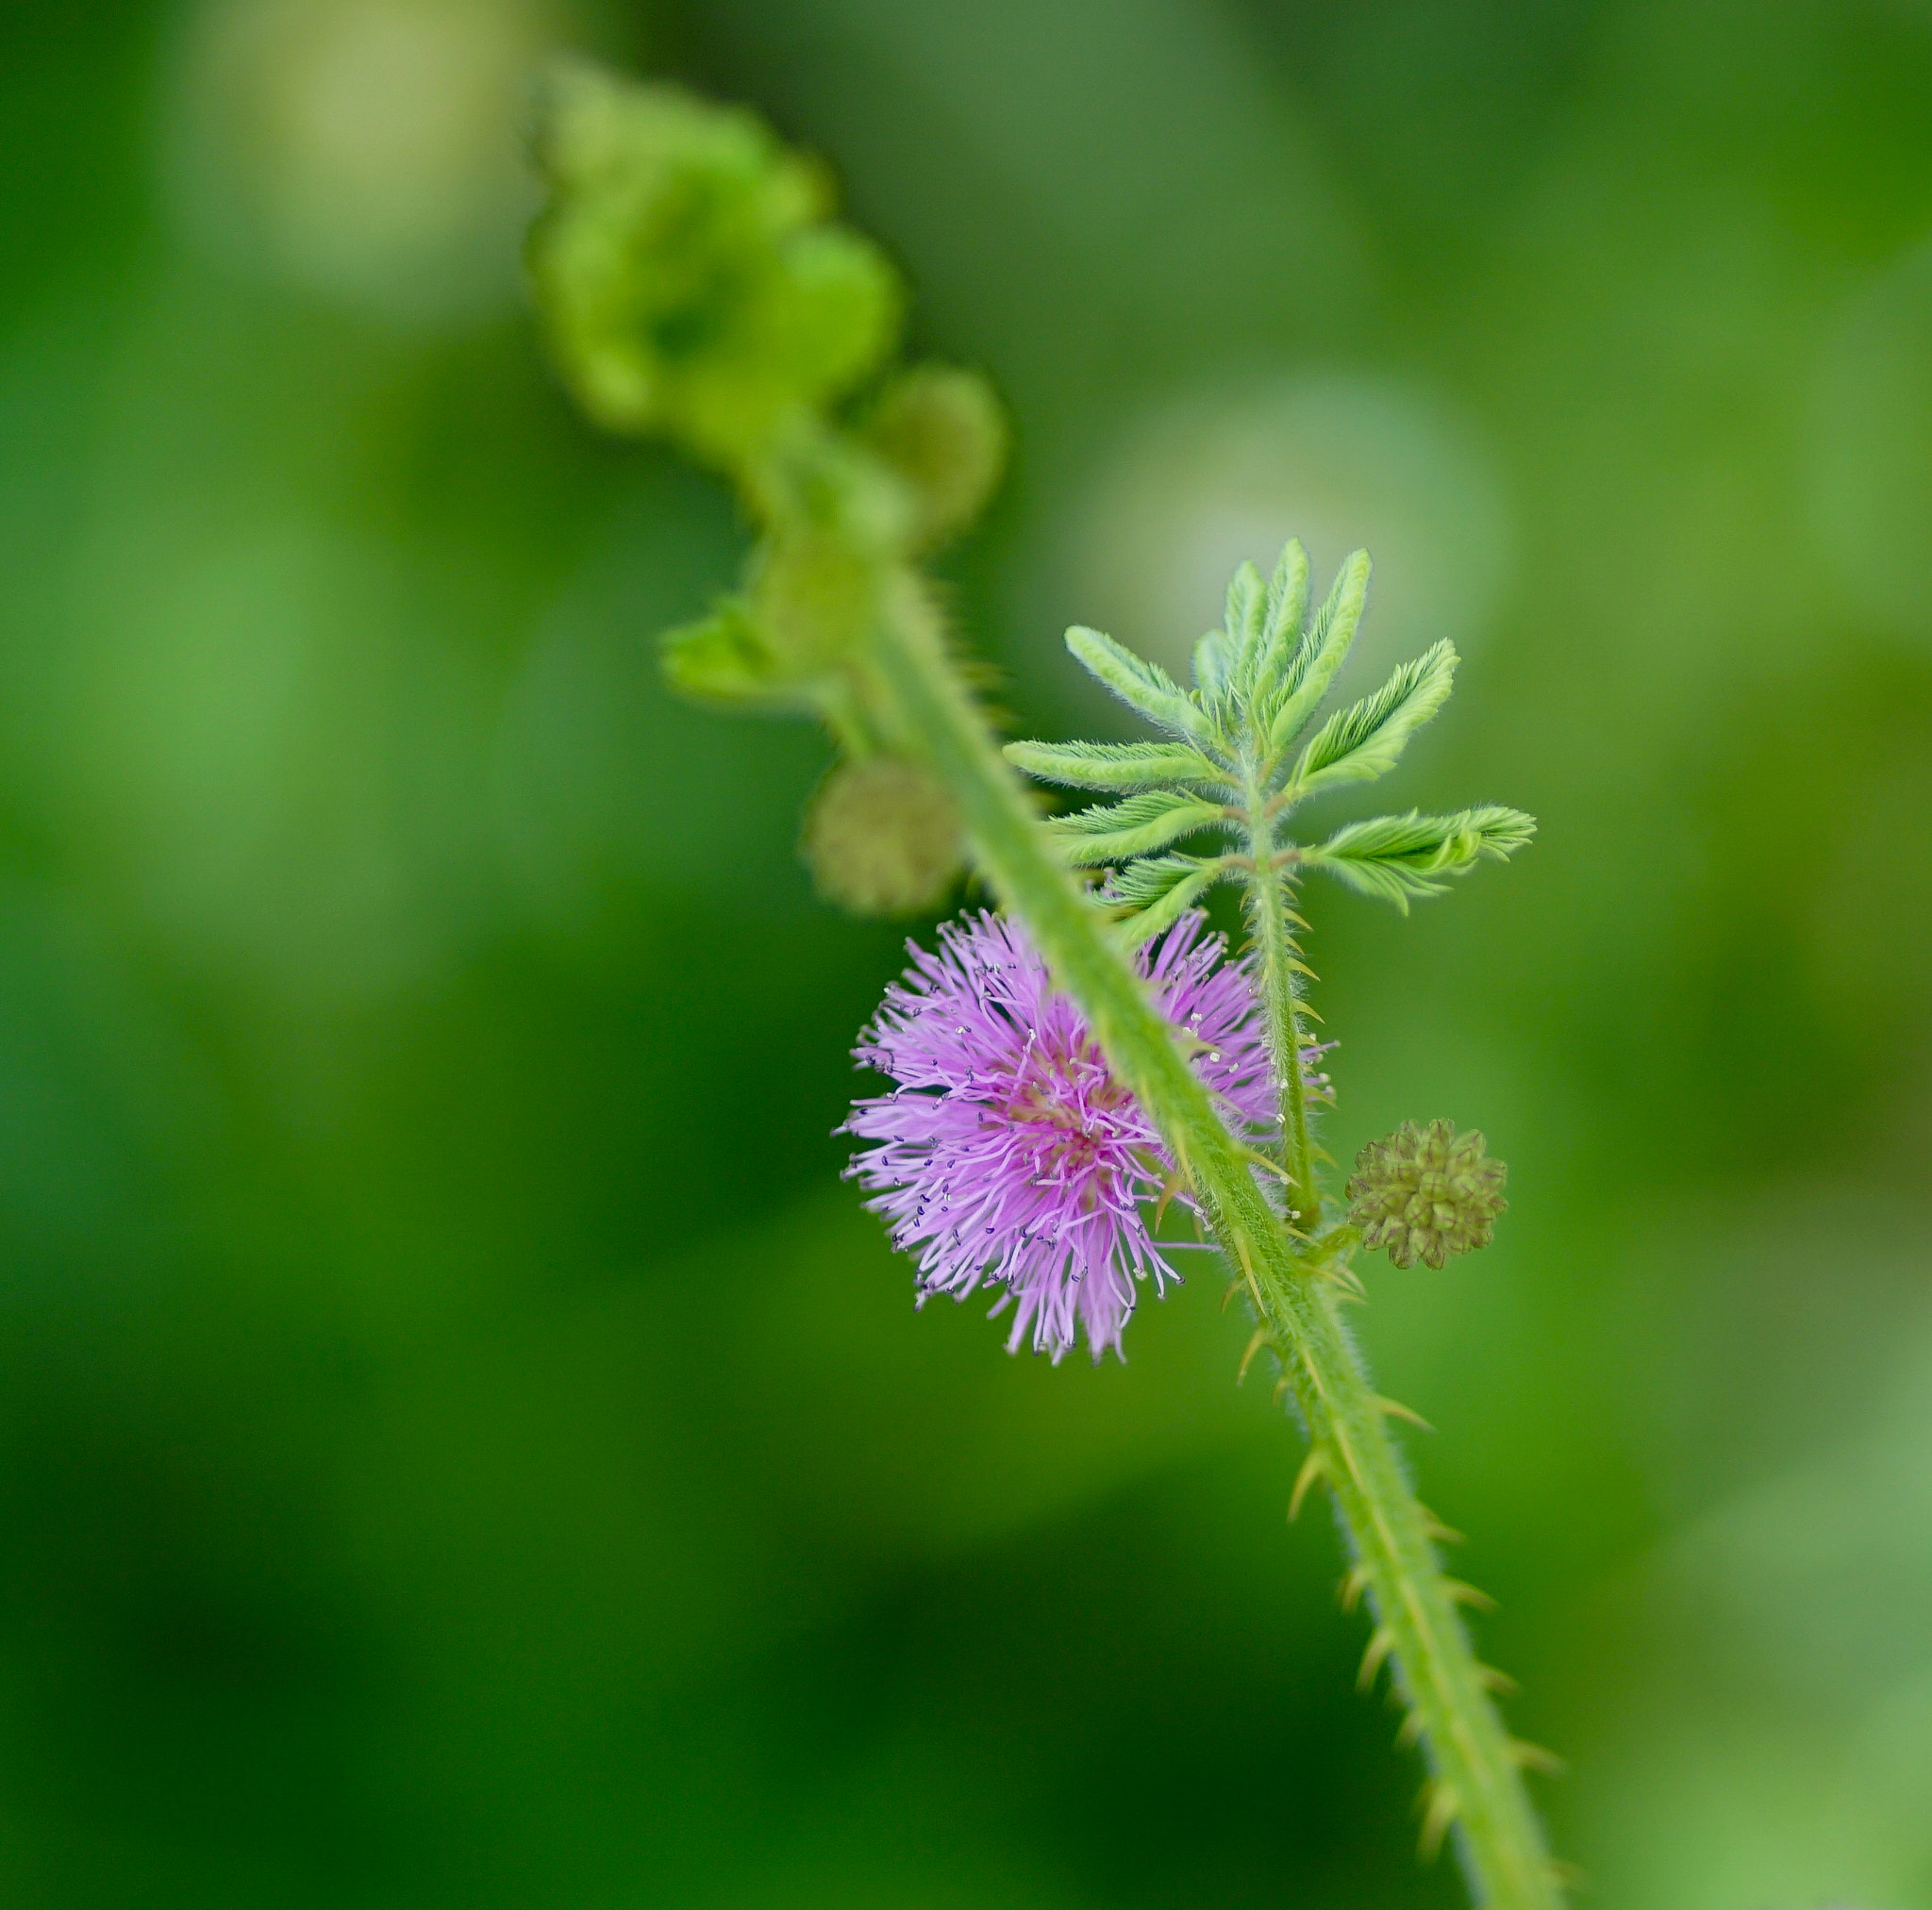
x=1477 y=1782
x=1268 y=896
x=1468 y=1749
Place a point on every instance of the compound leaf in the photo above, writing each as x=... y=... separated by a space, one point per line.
x=1311 y=667
x=1359 y=743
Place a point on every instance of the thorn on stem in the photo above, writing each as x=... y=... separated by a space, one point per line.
x=1534 y=1758
x=1348 y=1281
x=1380 y=1645
x=1394 y=1409
x=1462 y=1593
x=1353 y=1585
x=1501 y=1682
x=1262 y=1338
x=1314 y=1467
x=1444 y=1807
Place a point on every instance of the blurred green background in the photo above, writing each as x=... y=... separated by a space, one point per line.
x=459 y=1445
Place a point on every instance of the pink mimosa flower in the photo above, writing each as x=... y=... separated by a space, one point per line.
x=1009 y=1153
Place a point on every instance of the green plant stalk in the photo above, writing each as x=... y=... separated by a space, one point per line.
x=1268 y=901
x=1478 y=1785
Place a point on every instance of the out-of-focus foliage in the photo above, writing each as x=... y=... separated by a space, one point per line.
x=459 y=1446
x=695 y=286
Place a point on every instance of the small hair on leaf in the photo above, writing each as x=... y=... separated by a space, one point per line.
x=1359 y=743
x=1396 y=858
x=1140 y=825
x=1121 y=767
x=1142 y=685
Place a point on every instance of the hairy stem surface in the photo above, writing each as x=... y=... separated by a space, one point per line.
x=1477 y=1786
x=1268 y=900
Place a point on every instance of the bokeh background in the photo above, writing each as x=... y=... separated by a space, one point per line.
x=459 y=1443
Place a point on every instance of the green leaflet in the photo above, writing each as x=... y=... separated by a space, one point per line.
x=1213 y=664
x=1398 y=856
x=1284 y=605
x=1114 y=832
x=1311 y=667
x=1359 y=743
x=1160 y=890
x=1142 y=686
x=1282 y=615
x=1245 y=621
x=723 y=658
x=1149 y=880
x=1118 y=766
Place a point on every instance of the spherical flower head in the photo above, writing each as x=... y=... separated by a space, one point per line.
x=1425 y=1193
x=1009 y=1153
x=882 y=836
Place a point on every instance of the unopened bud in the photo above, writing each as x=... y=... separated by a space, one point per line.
x=690 y=278
x=882 y=837
x=1425 y=1193
x=815 y=599
x=944 y=434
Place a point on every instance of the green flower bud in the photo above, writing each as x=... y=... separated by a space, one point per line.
x=689 y=281
x=882 y=837
x=1425 y=1193
x=815 y=598
x=944 y=434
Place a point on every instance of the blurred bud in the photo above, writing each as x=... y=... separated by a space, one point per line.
x=689 y=280
x=815 y=598
x=882 y=837
x=1425 y=1193
x=943 y=433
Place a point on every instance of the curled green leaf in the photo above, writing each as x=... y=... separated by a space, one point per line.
x=1396 y=857
x=1310 y=667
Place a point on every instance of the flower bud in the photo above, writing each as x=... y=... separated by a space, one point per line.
x=815 y=599
x=1425 y=1193
x=882 y=837
x=944 y=434
x=690 y=279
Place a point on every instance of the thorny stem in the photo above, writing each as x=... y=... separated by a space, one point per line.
x=1268 y=899
x=1477 y=1782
